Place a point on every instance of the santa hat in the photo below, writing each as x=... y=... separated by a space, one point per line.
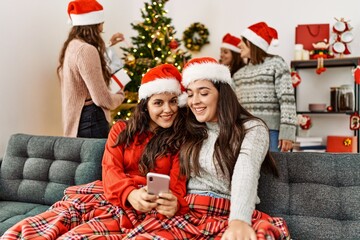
x=85 y=12
x=205 y=68
x=160 y=79
x=231 y=42
x=261 y=35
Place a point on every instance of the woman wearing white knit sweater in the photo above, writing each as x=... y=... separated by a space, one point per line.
x=84 y=75
x=264 y=86
x=223 y=154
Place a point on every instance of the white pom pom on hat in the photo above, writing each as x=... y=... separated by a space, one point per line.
x=261 y=35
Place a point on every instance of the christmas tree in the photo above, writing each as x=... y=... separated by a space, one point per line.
x=155 y=44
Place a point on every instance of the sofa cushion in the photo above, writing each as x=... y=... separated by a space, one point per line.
x=318 y=194
x=36 y=170
x=13 y=212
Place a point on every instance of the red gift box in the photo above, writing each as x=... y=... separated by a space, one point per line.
x=341 y=144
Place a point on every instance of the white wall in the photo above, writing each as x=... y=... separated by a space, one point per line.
x=33 y=33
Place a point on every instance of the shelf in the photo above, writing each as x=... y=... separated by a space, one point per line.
x=333 y=62
x=338 y=113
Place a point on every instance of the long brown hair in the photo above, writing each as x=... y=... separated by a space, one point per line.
x=165 y=140
x=236 y=63
x=91 y=35
x=257 y=55
x=231 y=118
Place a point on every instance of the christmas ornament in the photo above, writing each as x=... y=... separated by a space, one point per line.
x=173 y=44
x=130 y=59
x=320 y=52
x=355 y=121
x=144 y=61
x=356 y=73
x=304 y=121
x=295 y=78
x=196 y=36
x=170 y=59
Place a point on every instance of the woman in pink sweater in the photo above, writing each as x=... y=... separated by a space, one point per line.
x=84 y=75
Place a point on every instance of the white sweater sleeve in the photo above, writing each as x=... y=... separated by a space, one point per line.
x=246 y=174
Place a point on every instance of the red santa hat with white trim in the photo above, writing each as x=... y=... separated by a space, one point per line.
x=85 y=12
x=206 y=68
x=161 y=79
x=231 y=42
x=261 y=35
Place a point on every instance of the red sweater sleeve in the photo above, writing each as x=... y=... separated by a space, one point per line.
x=117 y=182
x=178 y=185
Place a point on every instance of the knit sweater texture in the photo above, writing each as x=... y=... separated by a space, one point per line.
x=242 y=191
x=266 y=91
x=81 y=78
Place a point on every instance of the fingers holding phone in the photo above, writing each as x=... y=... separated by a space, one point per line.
x=167 y=204
x=158 y=184
x=141 y=200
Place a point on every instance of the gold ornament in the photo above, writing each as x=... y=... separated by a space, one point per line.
x=170 y=59
x=130 y=59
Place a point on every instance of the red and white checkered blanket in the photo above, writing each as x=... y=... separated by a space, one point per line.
x=85 y=214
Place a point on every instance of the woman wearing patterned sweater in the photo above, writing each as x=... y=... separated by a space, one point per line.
x=84 y=75
x=264 y=87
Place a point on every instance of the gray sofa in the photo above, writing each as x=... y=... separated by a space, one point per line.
x=318 y=194
x=35 y=170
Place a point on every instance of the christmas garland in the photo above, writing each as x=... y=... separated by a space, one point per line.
x=195 y=36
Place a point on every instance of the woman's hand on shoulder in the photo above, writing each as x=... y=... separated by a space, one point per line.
x=239 y=230
x=141 y=200
x=167 y=204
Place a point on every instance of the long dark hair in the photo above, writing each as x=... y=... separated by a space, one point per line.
x=257 y=55
x=91 y=35
x=236 y=63
x=231 y=118
x=165 y=140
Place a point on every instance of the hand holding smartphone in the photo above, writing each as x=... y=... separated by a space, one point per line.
x=157 y=183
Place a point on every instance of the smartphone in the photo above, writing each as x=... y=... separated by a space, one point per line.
x=157 y=183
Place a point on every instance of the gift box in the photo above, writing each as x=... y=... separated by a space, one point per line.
x=341 y=144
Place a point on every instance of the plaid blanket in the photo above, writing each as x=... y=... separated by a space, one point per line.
x=85 y=214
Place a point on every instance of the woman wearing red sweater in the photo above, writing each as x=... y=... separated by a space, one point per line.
x=113 y=208
x=148 y=142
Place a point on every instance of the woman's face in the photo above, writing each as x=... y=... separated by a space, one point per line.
x=202 y=100
x=162 y=110
x=245 y=50
x=225 y=56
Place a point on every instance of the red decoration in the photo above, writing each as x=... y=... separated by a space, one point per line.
x=295 y=79
x=304 y=121
x=355 y=121
x=329 y=108
x=356 y=73
x=173 y=44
